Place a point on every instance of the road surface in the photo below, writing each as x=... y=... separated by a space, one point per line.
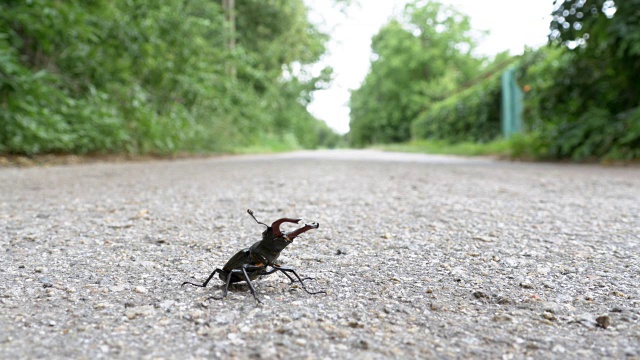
x=421 y=257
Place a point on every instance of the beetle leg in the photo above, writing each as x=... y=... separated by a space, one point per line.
x=226 y=286
x=246 y=276
x=204 y=284
x=277 y=269
x=274 y=269
x=267 y=272
x=286 y=270
x=289 y=276
x=224 y=290
x=277 y=266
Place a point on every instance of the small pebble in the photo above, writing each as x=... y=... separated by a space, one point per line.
x=502 y=318
x=549 y=316
x=603 y=321
x=526 y=285
x=479 y=294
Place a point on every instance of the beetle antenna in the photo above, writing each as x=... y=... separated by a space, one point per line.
x=254 y=218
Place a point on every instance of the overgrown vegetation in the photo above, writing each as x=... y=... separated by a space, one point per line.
x=582 y=99
x=157 y=77
x=144 y=77
x=585 y=99
x=473 y=115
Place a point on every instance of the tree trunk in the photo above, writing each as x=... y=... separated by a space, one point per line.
x=230 y=14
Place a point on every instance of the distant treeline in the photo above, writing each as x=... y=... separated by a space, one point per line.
x=581 y=93
x=138 y=76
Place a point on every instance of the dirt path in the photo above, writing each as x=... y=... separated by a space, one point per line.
x=421 y=256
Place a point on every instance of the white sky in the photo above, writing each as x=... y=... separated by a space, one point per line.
x=512 y=25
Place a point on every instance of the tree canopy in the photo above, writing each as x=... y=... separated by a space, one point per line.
x=605 y=37
x=419 y=58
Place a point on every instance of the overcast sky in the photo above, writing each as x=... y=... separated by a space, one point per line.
x=512 y=25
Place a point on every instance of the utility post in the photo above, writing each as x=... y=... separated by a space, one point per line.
x=511 y=104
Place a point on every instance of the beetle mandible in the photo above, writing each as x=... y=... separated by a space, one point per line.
x=260 y=259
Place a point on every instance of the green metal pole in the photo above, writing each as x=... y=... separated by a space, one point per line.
x=511 y=104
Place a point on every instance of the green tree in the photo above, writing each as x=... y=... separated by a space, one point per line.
x=419 y=58
x=605 y=37
x=154 y=77
x=586 y=103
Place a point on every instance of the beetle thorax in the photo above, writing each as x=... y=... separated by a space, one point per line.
x=267 y=251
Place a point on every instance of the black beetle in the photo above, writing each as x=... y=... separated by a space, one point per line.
x=260 y=259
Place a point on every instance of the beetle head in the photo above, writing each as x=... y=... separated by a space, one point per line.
x=273 y=232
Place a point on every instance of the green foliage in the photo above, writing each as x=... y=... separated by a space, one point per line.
x=500 y=148
x=37 y=116
x=155 y=77
x=278 y=30
x=584 y=97
x=472 y=115
x=418 y=59
x=596 y=134
x=581 y=98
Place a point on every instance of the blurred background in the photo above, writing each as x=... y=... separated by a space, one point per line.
x=537 y=80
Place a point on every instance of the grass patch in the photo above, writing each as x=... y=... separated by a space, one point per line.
x=270 y=144
x=500 y=148
x=262 y=149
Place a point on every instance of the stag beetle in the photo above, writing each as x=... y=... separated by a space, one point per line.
x=253 y=262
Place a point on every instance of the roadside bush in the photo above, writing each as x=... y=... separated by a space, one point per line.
x=584 y=98
x=471 y=115
x=570 y=112
x=156 y=77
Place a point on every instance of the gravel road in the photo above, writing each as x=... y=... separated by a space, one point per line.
x=421 y=257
